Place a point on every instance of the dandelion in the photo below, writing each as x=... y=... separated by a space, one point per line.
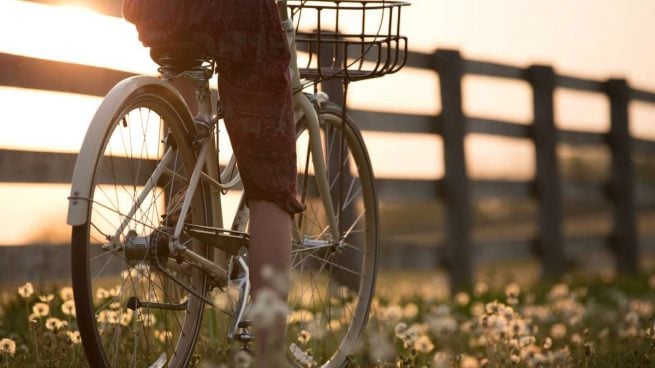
x=115 y=291
x=163 y=336
x=423 y=344
x=334 y=325
x=66 y=293
x=54 y=324
x=651 y=281
x=113 y=318
x=477 y=309
x=300 y=316
x=400 y=329
x=74 y=337
x=102 y=294
x=558 y=331
x=267 y=307
x=221 y=301
x=441 y=360
x=129 y=273
x=7 y=347
x=512 y=290
x=304 y=336
x=410 y=311
x=391 y=314
x=480 y=288
x=26 y=290
x=41 y=309
x=558 y=291
x=148 y=319
x=46 y=298
x=278 y=280
x=126 y=318
x=491 y=308
x=68 y=308
x=381 y=349
x=468 y=361
x=462 y=299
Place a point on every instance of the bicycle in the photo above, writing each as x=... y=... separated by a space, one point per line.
x=149 y=248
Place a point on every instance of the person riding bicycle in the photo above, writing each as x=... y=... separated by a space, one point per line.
x=246 y=39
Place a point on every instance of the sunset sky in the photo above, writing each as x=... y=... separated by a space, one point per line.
x=588 y=38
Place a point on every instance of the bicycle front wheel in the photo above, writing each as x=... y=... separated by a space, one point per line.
x=332 y=280
x=137 y=307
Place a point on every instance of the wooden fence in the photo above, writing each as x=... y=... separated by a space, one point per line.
x=456 y=189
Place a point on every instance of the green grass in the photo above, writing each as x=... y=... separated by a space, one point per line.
x=579 y=321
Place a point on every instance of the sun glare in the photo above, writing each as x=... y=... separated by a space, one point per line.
x=71 y=34
x=60 y=126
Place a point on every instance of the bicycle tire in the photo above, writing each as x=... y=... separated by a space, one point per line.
x=332 y=287
x=148 y=122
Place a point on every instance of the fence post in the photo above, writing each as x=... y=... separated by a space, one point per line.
x=450 y=66
x=549 y=245
x=624 y=240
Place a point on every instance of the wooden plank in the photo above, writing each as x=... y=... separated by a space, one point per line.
x=50 y=167
x=644 y=195
x=624 y=237
x=394 y=122
x=35 y=263
x=581 y=84
x=501 y=188
x=455 y=183
x=26 y=72
x=419 y=60
x=407 y=190
x=497 y=127
x=643 y=146
x=642 y=95
x=490 y=69
x=578 y=138
x=550 y=245
x=584 y=190
x=35 y=167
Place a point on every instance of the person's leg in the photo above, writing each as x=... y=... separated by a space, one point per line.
x=253 y=57
x=270 y=247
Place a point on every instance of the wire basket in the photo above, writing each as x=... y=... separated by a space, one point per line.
x=348 y=39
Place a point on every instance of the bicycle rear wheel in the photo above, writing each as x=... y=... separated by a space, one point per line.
x=332 y=280
x=136 y=307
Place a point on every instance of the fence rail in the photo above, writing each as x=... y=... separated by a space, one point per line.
x=456 y=189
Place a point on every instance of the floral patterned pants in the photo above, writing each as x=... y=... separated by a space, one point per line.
x=250 y=47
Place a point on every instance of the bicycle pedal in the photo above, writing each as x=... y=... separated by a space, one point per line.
x=226 y=240
x=245 y=337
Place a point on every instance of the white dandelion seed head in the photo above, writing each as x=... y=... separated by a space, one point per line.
x=66 y=293
x=26 y=290
x=7 y=347
x=41 y=309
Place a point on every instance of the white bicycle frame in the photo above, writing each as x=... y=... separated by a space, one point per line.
x=206 y=169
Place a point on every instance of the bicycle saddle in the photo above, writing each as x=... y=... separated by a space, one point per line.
x=180 y=56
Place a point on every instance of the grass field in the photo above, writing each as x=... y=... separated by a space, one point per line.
x=579 y=321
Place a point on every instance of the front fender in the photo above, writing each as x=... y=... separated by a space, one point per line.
x=94 y=141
